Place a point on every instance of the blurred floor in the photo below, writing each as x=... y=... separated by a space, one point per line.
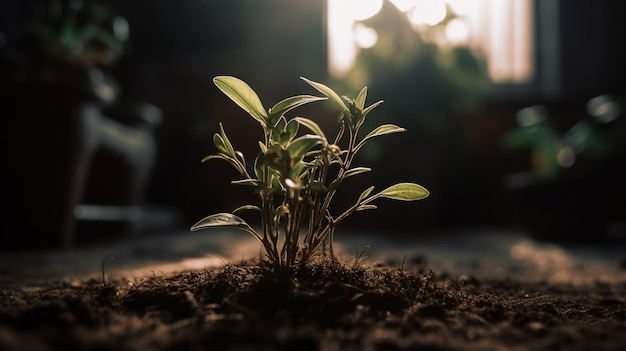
x=480 y=253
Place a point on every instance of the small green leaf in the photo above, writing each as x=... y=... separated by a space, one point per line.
x=330 y=93
x=259 y=167
x=245 y=208
x=355 y=171
x=297 y=169
x=211 y=157
x=290 y=103
x=314 y=127
x=280 y=125
x=241 y=158
x=291 y=129
x=365 y=193
x=243 y=95
x=280 y=135
x=220 y=144
x=252 y=182
x=229 y=146
x=381 y=130
x=360 y=99
x=404 y=192
x=300 y=146
x=317 y=187
x=366 y=207
x=370 y=108
x=224 y=220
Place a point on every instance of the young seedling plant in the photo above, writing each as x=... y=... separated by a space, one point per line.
x=296 y=177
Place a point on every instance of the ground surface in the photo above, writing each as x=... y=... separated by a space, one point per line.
x=322 y=307
x=523 y=296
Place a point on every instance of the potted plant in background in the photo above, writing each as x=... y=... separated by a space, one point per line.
x=574 y=189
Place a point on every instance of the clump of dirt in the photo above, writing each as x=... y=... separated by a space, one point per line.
x=323 y=306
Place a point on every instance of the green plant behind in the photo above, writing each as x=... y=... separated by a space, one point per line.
x=296 y=177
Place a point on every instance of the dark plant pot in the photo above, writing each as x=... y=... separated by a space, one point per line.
x=581 y=209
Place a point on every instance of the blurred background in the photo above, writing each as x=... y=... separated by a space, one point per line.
x=514 y=110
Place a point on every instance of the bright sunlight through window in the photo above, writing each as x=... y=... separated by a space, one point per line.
x=500 y=29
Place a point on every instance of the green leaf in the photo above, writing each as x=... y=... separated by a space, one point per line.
x=224 y=220
x=381 y=130
x=300 y=146
x=220 y=144
x=365 y=193
x=330 y=93
x=366 y=207
x=281 y=124
x=284 y=132
x=296 y=171
x=276 y=157
x=360 y=99
x=279 y=133
x=211 y=157
x=355 y=171
x=290 y=103
x=259 y=167
x=229 y=147
x=317 y=187
x=243 y=95
x=314 y=127
x=291 y=129
x=404 y=192
x=370 y=108
x=246 y=207
x=252 y=182
x=241 y=158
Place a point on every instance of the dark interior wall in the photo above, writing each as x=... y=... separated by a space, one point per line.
x=593 y=54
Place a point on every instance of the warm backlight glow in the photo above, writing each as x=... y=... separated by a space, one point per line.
x=404 y=5
x=457 y=31
x=501 y=30
x=429 y=12
x=361 y=9
x=344 y=36
x=365 y=37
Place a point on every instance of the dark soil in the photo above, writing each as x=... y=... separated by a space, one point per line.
x=325 y=306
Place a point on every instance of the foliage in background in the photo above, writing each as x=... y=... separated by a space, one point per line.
x=296 y=177
x=413 y=65
x=595 y=140
x=87 y=33
x=438 y=92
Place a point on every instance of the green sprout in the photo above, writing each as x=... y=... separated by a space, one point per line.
x=296 y=177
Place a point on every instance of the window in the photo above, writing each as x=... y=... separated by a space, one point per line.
x=501 y=30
